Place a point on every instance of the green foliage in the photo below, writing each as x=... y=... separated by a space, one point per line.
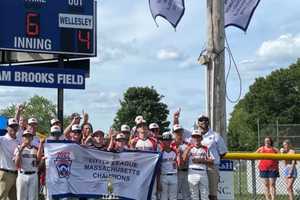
x=143 y=101
x=39 y=107
x=275 y=97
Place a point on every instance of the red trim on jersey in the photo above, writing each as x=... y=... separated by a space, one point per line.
x=152 y=140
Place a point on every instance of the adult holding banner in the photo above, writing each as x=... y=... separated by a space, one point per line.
x=85 y=172
x=217 y=149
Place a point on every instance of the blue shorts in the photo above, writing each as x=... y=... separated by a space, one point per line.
x=286 y=171
x=268 y=174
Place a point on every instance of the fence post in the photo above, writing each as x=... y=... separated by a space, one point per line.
x=253 y=179
x=258 y=133
x=277 y=132
x=240 y=179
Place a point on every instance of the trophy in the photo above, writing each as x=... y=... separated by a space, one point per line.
x=110 y=189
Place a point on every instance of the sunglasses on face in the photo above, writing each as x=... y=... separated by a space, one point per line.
x=77 y=132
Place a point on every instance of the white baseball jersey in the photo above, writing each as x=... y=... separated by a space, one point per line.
x=168 y=163
x=202 y=153
x=216 y=145
x=146 y=145
x=7 y=148
x=28 y=159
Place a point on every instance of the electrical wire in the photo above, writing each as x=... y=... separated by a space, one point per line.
x=232 y=61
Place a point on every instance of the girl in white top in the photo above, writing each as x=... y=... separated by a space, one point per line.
x=168 y=171
x=198 y=158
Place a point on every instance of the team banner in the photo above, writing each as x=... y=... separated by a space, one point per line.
x=238 y=13
x=73 y=170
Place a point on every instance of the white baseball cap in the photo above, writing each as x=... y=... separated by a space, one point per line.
x=12 y=121
x=125 y=128
x=53 y=121
x=177 y=127
x=55 y=129
x=120 y=136
x=167 y=136
x=76 y=127
x=140 y=120
x=196 y=133
x=27 y=132
x=32 y=121
x=153 y=126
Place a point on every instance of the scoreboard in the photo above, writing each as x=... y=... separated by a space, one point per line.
x=49 y=26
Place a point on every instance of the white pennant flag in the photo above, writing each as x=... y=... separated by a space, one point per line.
x=171 y=10
x=238 y=13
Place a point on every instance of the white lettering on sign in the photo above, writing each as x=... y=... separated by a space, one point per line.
x=31 y=77
x=5 y=76
x=75 y=21
x=75 y=2
x=32 y=43
x=36 y=1
x=70 y=79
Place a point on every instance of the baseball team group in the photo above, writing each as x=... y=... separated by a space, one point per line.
x=188 y=165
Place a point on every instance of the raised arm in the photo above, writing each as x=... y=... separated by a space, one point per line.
x=176 y=116
x=40 y=152
x=19 y=109
x=68 y=130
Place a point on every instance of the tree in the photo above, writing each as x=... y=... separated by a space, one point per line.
x=273 y=98
x=38 y=107
x=143 y=101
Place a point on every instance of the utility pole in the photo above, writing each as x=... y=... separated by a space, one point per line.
x=216 y=94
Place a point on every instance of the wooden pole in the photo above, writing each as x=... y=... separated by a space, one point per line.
x=216 y=96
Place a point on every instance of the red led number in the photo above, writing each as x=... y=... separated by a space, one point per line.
x=32 y=24
x=84 y=37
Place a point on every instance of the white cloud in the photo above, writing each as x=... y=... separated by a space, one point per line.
x=168 y=54
x=283 y=48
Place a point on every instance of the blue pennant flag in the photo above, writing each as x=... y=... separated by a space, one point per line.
x=238 y=13
x=171 y=10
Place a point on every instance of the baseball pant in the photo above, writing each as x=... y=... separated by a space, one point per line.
x=198 y=183
x=7 y=185
x=154 y=190
x=183 y=185
x=213 y=180
x=169 y=187
x=27 y=187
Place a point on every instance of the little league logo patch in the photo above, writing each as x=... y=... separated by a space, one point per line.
x=63 y=164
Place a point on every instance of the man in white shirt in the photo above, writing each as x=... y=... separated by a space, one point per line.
x=216 y=148
x=8 y=171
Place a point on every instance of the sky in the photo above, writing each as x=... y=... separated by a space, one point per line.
x=133 y=51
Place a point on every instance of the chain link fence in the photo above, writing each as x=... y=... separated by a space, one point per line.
x=279 y=133
x=248 y=185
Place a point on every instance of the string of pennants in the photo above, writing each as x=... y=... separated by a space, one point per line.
x=237 y=13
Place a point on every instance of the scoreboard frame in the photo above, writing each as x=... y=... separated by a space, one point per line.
x=32 y=28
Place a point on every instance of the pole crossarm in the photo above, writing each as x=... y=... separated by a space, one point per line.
x=260 y=156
